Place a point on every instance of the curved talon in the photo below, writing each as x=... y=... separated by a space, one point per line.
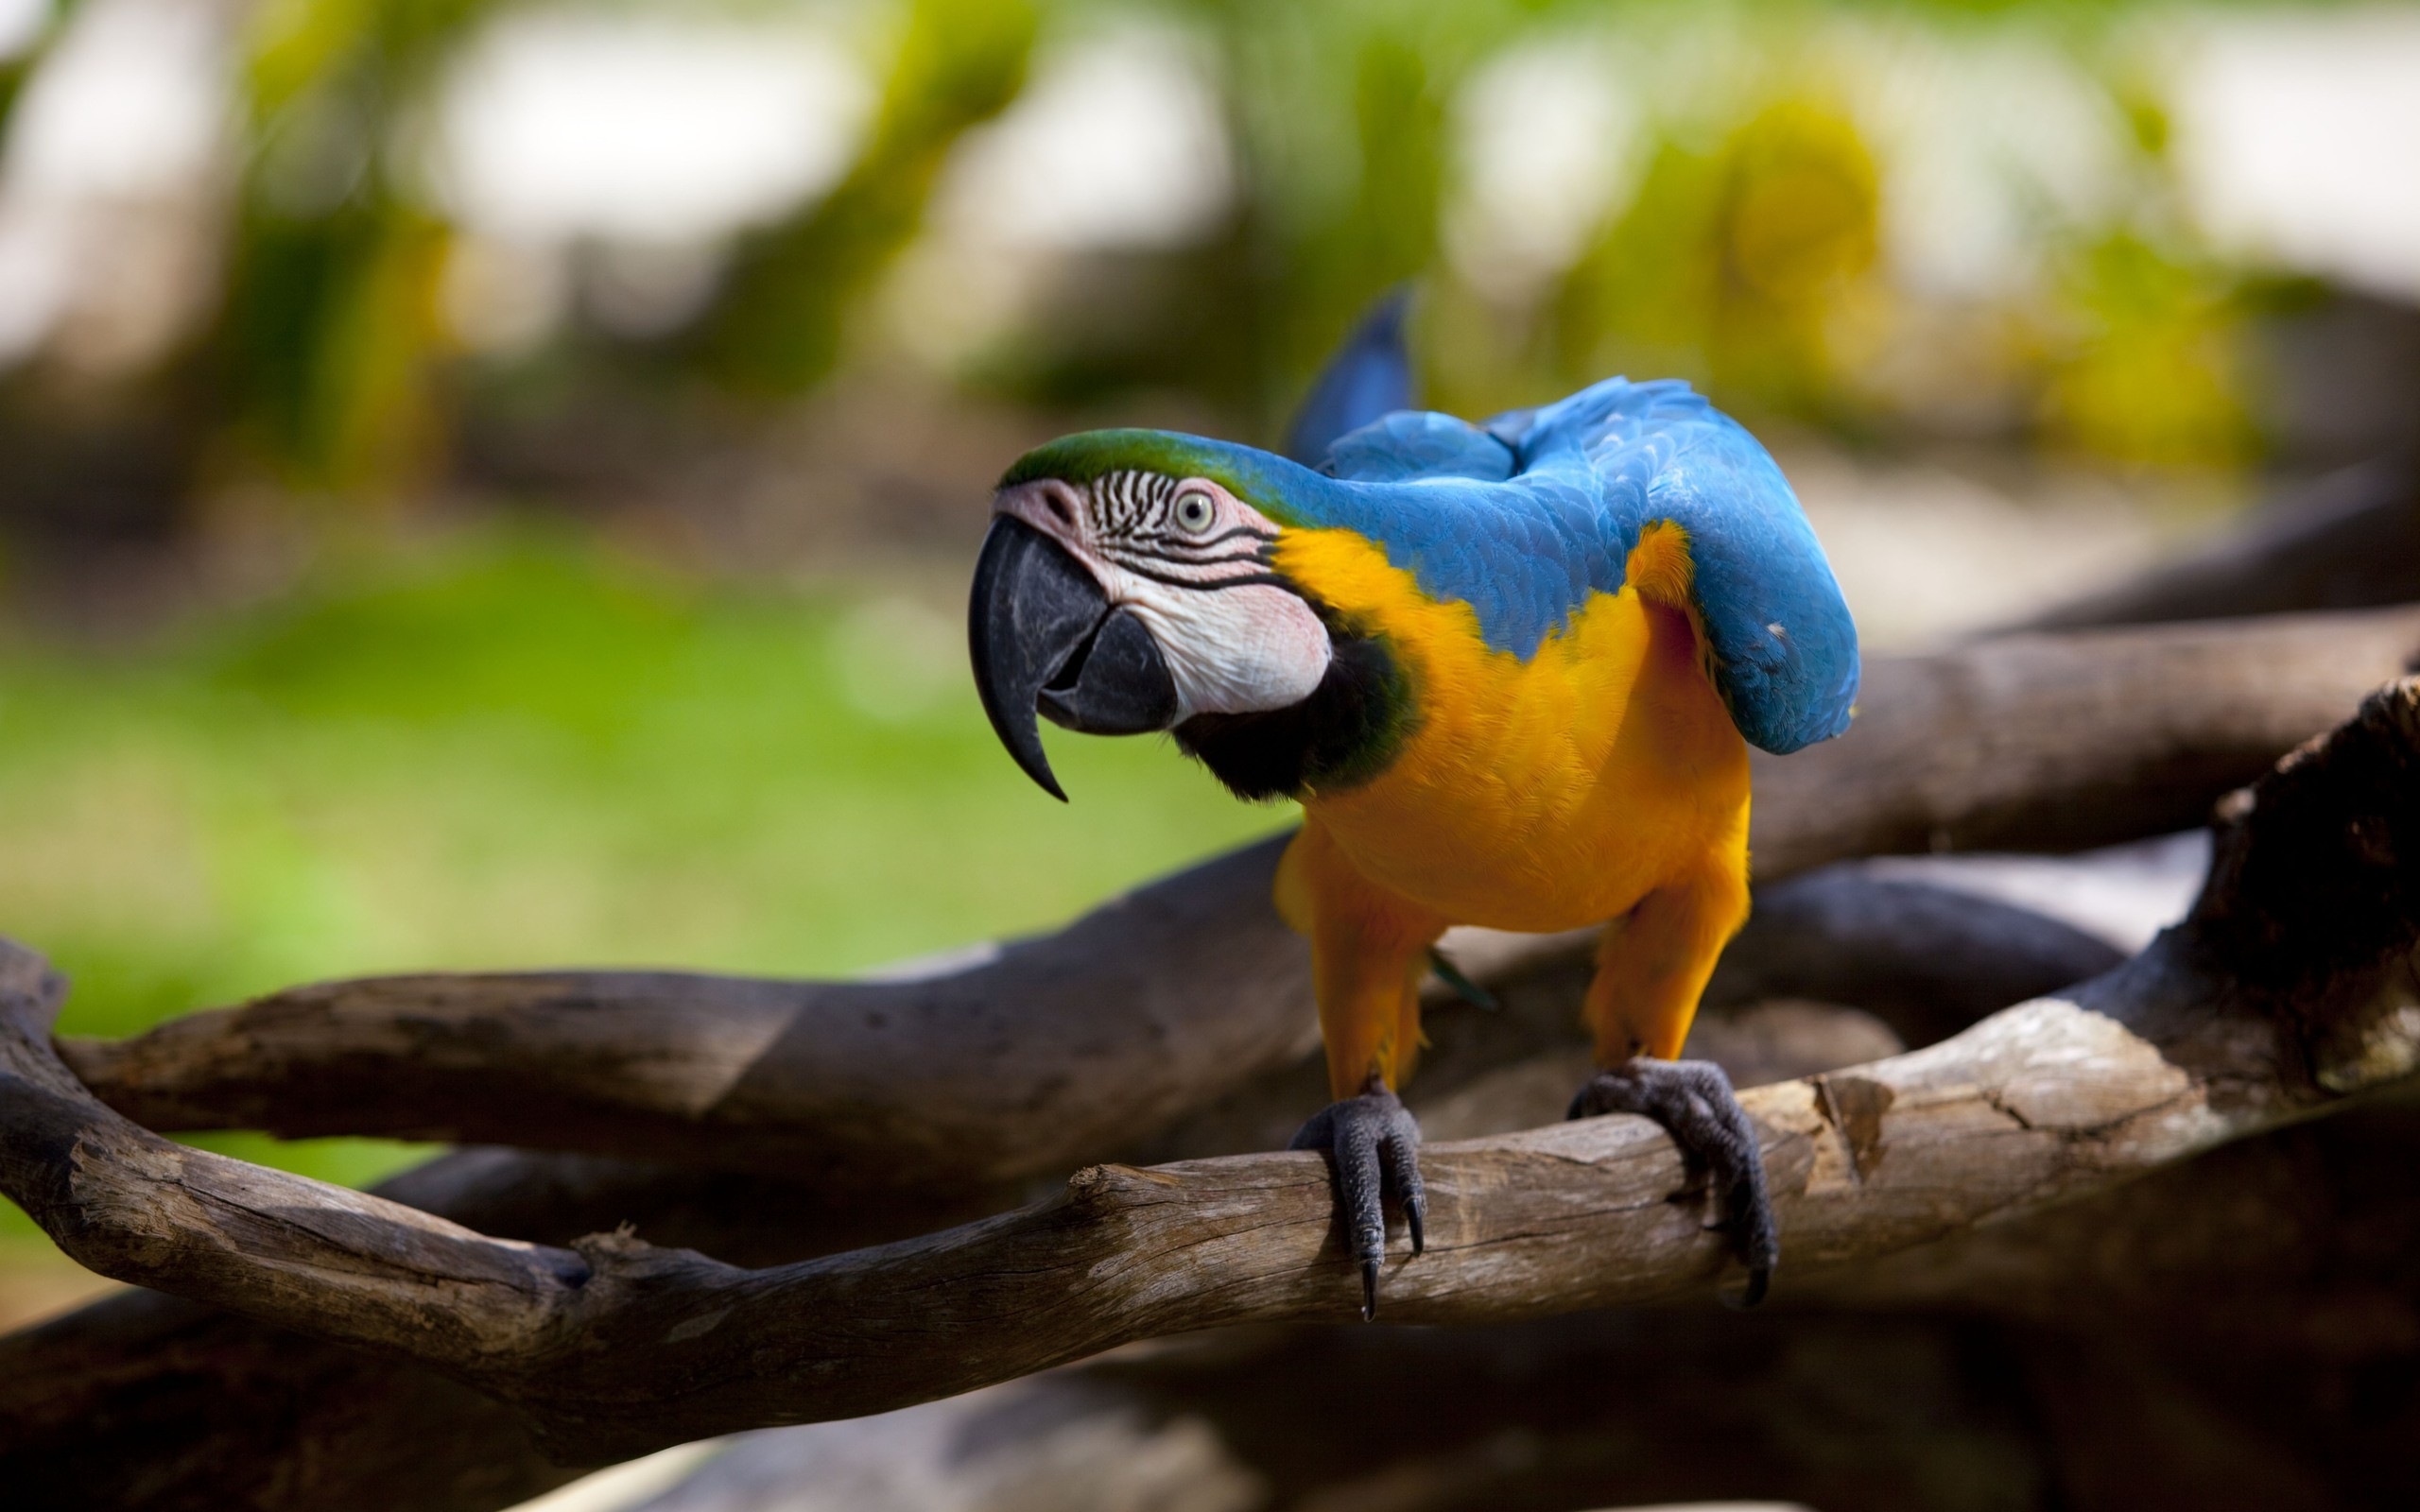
x=1373 y=1143
x=1694 y=1102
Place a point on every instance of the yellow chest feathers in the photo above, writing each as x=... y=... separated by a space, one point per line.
x=1541 y=793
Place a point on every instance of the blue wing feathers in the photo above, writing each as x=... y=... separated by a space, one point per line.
x=1526 y=515
x=1410 y=445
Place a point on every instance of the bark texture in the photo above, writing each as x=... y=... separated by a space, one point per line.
x=148 y=1401
x=2287 y=992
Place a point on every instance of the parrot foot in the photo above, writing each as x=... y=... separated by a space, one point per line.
x=1374 y=1146
x=1694 y=1102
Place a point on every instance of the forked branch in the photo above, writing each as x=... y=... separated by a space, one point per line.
x=2289 y=987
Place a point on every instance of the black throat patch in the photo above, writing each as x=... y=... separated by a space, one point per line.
x=1345 y=733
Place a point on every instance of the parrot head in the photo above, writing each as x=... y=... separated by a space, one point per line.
x=1129 y=585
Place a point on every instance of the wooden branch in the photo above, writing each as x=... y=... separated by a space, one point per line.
x=147 y=1402
x=2284 y=1262
x=2235 y=1328
x=1036 y=1056
x=2287 y=1257
x=2288 y=989
x=2047 y=743
x=1045 y=1053
x=151 y=1401
x=1928 y=960
x=281 y=1422
x=2349 y=541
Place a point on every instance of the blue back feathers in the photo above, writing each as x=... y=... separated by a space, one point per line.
x=1524 y=516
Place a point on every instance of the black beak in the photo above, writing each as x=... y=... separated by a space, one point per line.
x=1045 y=640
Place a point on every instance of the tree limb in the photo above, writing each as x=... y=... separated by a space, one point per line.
x=2233 y=1332
x=2047 y=743
x=2289 y=988
x=1009 y=1068
x=2349 y=541
x=152 y=1401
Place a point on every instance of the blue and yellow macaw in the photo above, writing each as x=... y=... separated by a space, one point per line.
x=1510 y=671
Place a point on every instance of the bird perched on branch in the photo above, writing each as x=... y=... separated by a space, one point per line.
x=1510 y=671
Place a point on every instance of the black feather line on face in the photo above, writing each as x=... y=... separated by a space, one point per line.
x=1209 y=585
x=1232 y=533
x=1163 y=558
x=1126 y=555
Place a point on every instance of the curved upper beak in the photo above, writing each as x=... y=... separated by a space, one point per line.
x=1047 y=640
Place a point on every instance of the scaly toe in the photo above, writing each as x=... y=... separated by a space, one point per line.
x=1695 y=1103
x=1374 y=1145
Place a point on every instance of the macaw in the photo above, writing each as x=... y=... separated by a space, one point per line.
x=1510 y=671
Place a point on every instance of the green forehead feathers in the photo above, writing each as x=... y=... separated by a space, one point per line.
x=1253 y=477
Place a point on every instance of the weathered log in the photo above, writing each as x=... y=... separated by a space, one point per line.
x=1010 y=1067
x=2289 y=992
x=2292 y=1259
x=148 y=1403
x=2233 y=1331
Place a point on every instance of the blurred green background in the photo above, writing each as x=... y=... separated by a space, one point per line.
x=489 y=483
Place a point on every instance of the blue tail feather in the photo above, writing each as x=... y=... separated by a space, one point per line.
x=1369 y=376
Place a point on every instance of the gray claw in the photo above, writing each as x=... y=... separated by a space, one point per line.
x=1373 y=1144
x=1694 y=1102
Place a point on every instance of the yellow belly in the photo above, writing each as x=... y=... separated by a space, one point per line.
x=1546 y=794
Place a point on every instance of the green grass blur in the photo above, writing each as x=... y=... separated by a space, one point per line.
x=521 y=748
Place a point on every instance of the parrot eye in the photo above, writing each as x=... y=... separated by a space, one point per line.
x=1194 y=512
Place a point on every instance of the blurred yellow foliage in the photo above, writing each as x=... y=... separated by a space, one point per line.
x=1732 y=265
x=2145 y=361
x=779 y=326
x=1743 y=245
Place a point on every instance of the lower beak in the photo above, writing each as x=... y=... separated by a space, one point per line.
x=1047 y=640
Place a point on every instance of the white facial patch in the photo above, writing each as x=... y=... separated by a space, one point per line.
x=1189 y=560
x=1232 y=652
